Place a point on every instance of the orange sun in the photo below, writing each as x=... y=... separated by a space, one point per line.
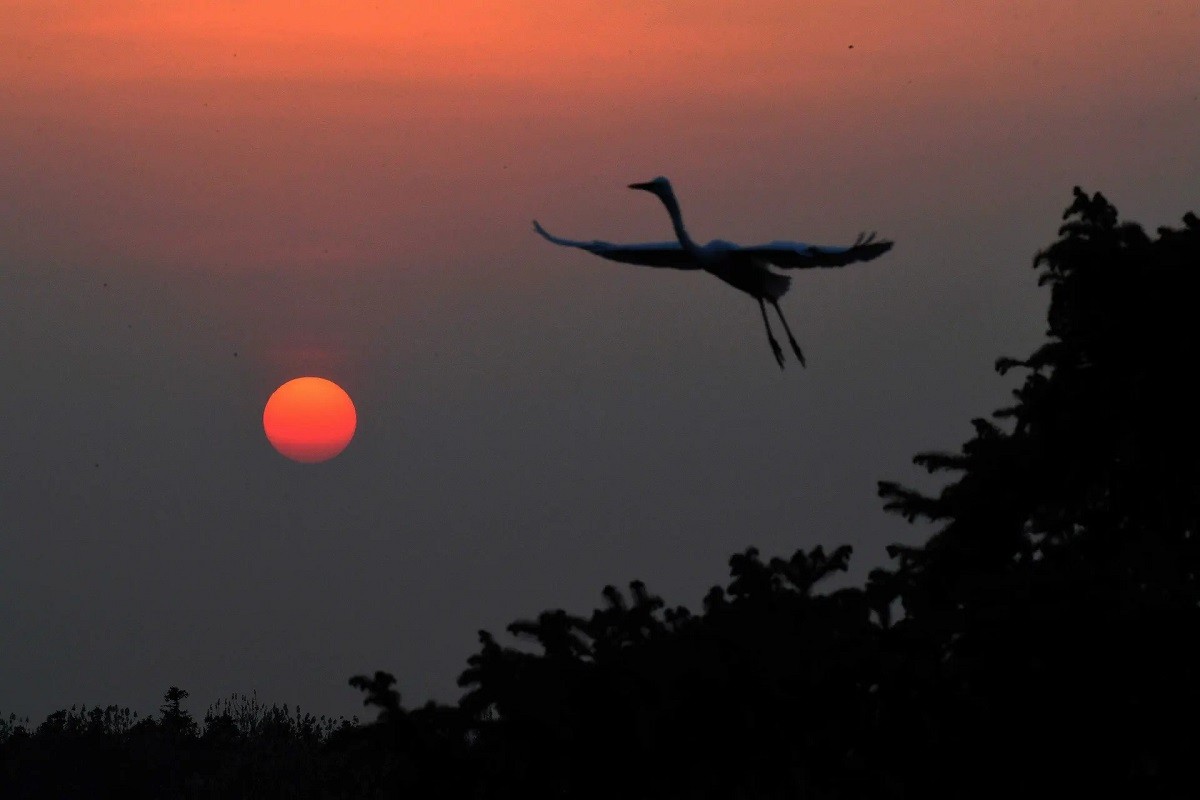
x=309 y=420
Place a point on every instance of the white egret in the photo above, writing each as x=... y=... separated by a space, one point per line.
x=742 y=267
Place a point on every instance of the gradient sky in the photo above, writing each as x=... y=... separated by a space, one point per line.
x=200 y=201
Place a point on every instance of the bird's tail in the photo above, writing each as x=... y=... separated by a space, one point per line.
x=776 y=286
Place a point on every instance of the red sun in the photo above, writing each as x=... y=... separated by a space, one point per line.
x=309 y=420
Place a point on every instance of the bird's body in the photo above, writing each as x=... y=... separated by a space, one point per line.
x=747 y=268
x=751 y=275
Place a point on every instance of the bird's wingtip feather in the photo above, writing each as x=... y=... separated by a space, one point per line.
x=549 y=237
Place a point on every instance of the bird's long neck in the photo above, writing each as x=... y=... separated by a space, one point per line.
x=668 y=199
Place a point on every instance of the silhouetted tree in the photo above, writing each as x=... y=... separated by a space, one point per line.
x=174 y=721
x=243 y=749
x=1049 y=620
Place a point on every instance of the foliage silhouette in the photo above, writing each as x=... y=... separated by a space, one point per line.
x=1060 y=592
x=1039 y=642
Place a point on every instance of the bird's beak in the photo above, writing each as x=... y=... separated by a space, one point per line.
x=645 y=187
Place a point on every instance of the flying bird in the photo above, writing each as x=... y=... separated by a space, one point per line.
x=742 y=267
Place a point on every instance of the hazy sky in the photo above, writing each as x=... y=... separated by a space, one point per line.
x=199 y=201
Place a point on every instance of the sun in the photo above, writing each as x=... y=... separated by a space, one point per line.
x=309 y=419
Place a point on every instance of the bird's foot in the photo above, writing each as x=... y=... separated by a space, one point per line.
x=799 y=355
x=778 y=351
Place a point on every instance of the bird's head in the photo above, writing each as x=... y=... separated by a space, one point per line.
x=659 y=186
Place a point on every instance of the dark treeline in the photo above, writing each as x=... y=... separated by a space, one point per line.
x=1040 y=642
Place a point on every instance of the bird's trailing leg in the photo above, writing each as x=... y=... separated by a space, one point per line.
x=792 y=339
x=775 y=348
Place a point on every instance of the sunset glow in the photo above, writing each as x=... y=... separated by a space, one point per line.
x=202 y=200
x=309 y=420
x=316 y=135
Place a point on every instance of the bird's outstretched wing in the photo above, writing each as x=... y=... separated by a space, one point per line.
x=651 y=254
x=798 y=255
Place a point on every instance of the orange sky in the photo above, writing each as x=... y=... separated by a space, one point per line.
x=324 y=132
x=547 y=42
x=581 y=45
